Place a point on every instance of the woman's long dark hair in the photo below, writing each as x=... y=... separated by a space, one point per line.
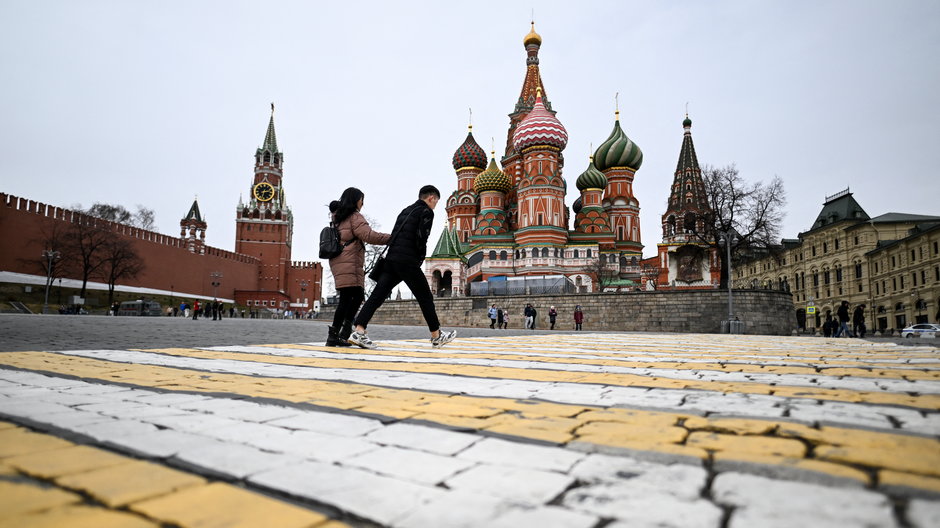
x=347 y=204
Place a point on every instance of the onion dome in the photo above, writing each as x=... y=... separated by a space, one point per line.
x=591 y=178
x=577 y=205
x=469 y=154
x=618 y=151
x=686 y=123
x=539 y=127
x=492 y=179
x=532 y=37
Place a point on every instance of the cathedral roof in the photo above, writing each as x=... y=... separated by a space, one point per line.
x=591 y=178
x=492 y=179
x=618 y=151
x=448 y=247
x=688 y=188
x=540 y=127
x=469 y=154
x=532 y=37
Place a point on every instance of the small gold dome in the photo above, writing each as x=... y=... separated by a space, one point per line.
x=532 y=37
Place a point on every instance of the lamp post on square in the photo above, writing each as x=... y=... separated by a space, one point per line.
x=727 y=238
x=50 y=256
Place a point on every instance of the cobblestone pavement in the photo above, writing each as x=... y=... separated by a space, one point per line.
x=562 y=430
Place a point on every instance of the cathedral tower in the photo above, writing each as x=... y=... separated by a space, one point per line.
x=685 y=261
x=468 y=161
x=540 y=138
x=618 y=157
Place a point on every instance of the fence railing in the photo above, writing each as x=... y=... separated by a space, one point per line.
x=523 y=286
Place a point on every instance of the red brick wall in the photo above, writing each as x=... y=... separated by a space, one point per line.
x=169 y=265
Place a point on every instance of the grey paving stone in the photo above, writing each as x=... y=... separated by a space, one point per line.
x=408 y=464
x=330 y=423
x=192 y=422
x=74 y=418
x=760 y=501
x=498 y=451
x=455 y=509
x=132 y=409
x=923 y=513
x=423 y=438
x=103 y=431
x=680 y=480
x=836 y=413
x=240 y=410
x=170 y=399
x=305 y=444
x=160 y=444
x=522 y=484
x=639 y=505
x=544 y=517
x=380 y=499
x=234 y=460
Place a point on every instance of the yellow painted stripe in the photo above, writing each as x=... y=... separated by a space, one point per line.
x=133 y=492
x=925 y=401
x=666 y=432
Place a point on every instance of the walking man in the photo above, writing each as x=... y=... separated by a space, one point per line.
x=492 y=314
x=529 y=314
x=407 y=248
x=843 y=314
x=858 y=321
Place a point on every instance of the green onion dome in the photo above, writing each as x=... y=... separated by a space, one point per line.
x=618 y=151
x=469 y=154
x=492 y=179
x=686 y=123
x=577 y=205
x=591 y=178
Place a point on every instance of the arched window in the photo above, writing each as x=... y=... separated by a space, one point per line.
x=502 y=255
x=492 y=255
x=589 y=253
x=576 y=253
x=267 y=157
x=545 y=252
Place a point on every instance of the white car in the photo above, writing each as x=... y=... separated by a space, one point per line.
x=921 y=328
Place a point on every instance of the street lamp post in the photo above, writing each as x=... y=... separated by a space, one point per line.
x=303 y=292
x=216 y=282
x=728 y=237
x=50 y=256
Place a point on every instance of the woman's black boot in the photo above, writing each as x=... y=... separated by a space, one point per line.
x=333 y=338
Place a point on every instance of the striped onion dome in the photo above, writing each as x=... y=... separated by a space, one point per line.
x=492 y=179
x=618 y=151
x=539 y=127
x=577 y=205
x=591 y=178
x=469 y=154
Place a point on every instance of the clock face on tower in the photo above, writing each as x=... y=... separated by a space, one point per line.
x=264 y=191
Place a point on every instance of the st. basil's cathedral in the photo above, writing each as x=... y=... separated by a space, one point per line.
x=508 y=218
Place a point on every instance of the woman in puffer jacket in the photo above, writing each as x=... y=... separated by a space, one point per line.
x=347 y=268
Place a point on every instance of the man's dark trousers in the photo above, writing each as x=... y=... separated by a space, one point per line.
x=392 y=274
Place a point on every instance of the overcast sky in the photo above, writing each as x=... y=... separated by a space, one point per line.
x=154 y=103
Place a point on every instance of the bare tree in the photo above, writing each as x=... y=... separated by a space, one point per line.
x=372 y=256
x=753 y=211
x=119 y=260
x=54 y=240
x=86 y=239
x=602 y=273
x=144 y=218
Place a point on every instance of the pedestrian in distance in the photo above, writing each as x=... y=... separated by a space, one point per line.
x=843 y=325
x=529 y=314
x=578 y=317
x=500 y=318
x=195 y=310
x=492 y=313
x=858 y=321
x=348 y=267
x=535 y=318
x=552 y=315
x=407 y=247
x=827 y=325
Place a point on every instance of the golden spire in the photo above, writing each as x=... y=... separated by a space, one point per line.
x=617 y=106
x=538 y=92
x=470 y=124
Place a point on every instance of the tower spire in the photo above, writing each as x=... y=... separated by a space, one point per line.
x=270 y=139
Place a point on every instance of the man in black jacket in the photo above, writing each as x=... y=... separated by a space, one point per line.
x=406 y=250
